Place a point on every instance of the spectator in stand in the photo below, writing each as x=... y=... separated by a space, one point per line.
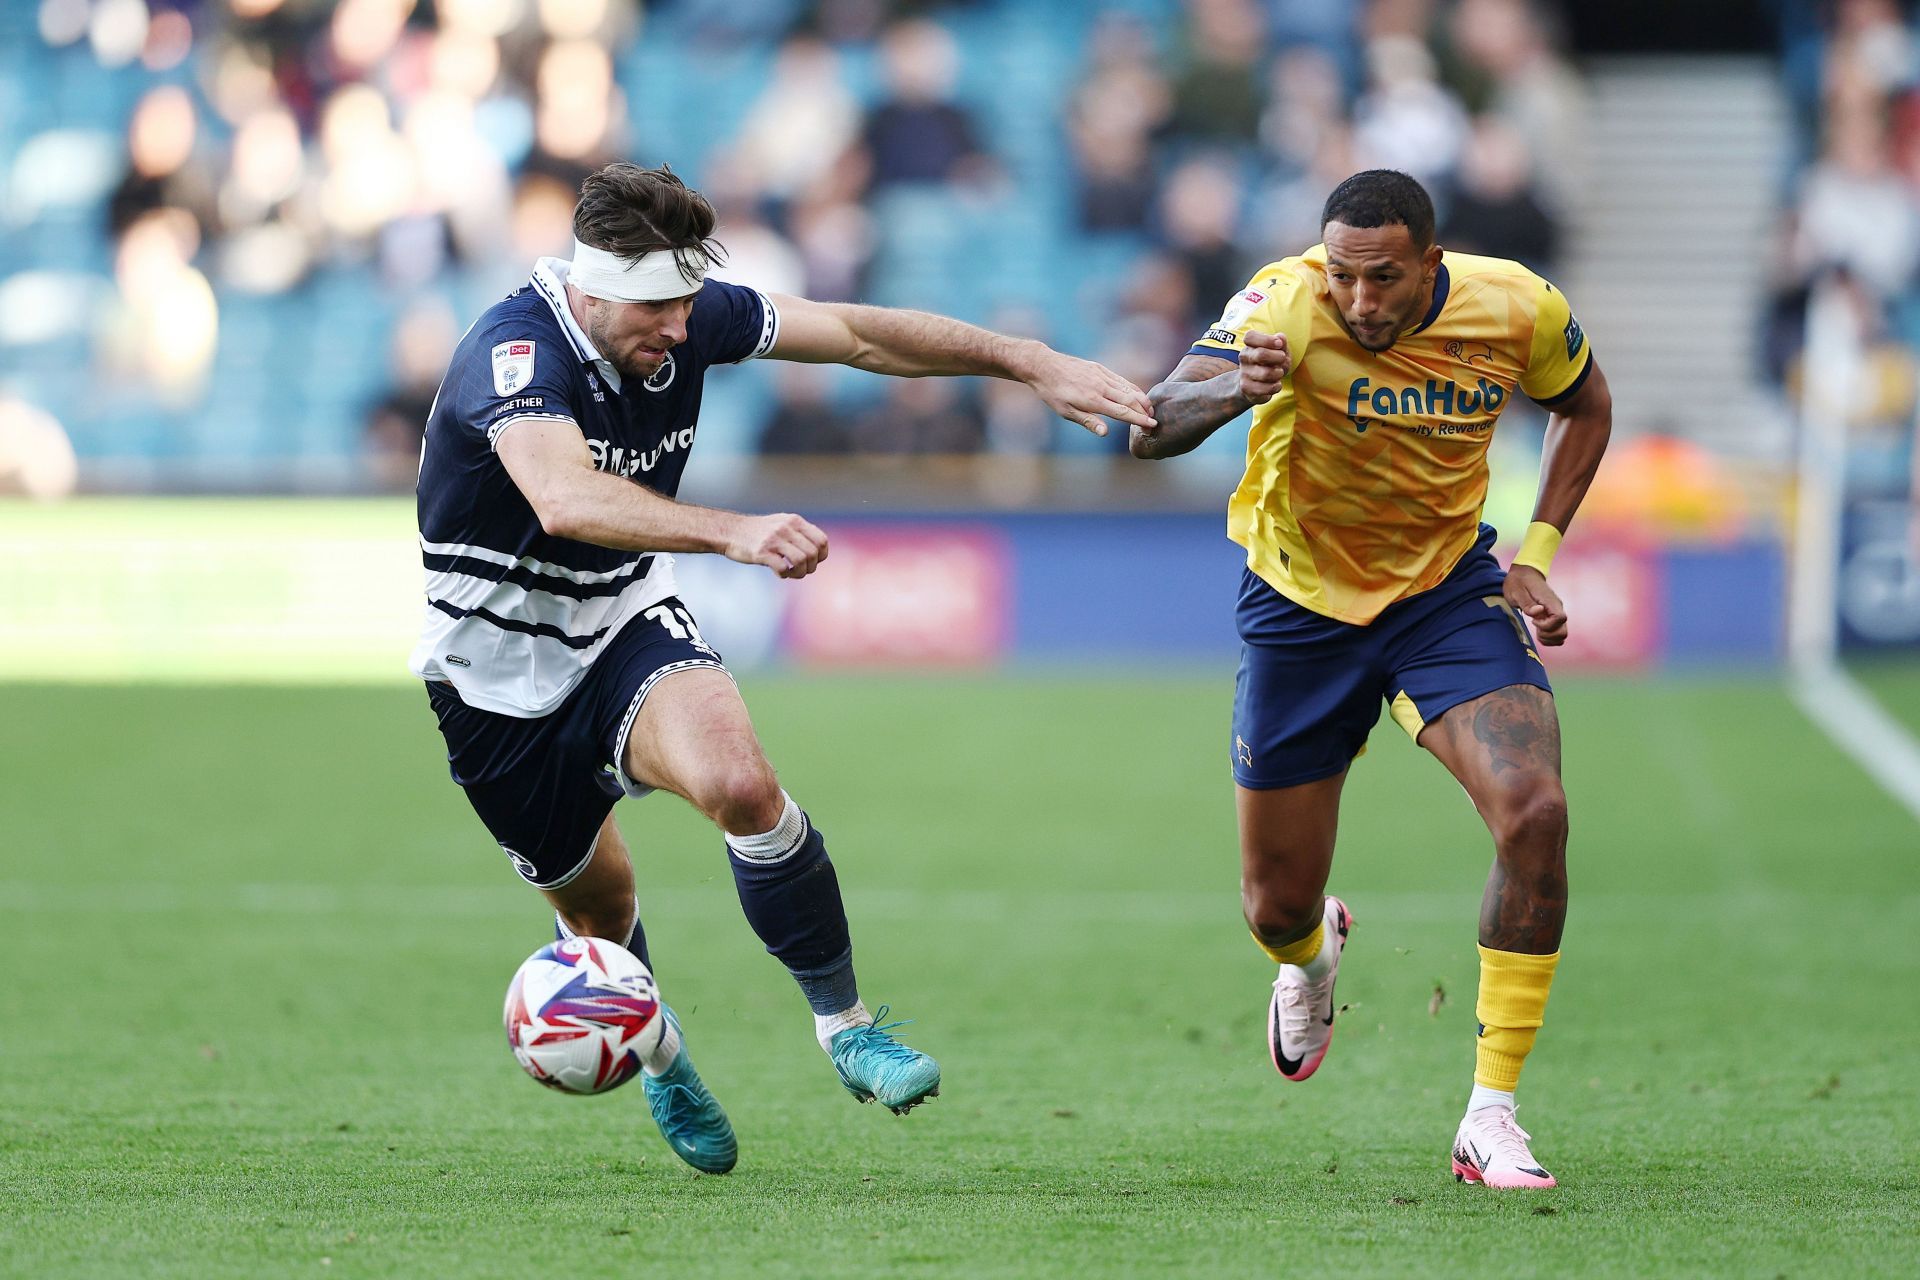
x=917 y=133
x=164 y=166
x=922 y=416
x=1219 y=93
x=802 y=122
x=1327 y=28
x=1154 y=323
x=541 y=222
x=1496 y=209
x=1199 y=215
x=1854 y=211
x=1016 y=425
x=1410 y=18
x=1871 y=39
x=1121 y=102
x=1288 y=209
x=1406 y=120
x=1532 y=88
x=423 y=342
x=1160 y=304
x=804 y=419
x=1014 y=428
x=757 y=255
x=836 y=239
x=1307 y=102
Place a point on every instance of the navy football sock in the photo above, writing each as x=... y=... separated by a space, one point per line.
x=637 y=940
x=791 y=896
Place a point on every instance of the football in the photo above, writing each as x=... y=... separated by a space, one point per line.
x=582 y=1013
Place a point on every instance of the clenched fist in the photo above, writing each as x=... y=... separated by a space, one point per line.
x=1264 y=365
x=1527 y=591
x=790 y=545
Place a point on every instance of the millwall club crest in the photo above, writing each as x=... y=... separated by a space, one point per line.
x=662 y=377
x=512 y=367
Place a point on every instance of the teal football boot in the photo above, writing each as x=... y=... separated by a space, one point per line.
x=690 y=1120
x=877 y=1068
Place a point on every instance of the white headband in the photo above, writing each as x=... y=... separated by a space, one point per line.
x=651 y=277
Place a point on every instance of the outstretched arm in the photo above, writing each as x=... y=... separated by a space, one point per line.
x=917 y=344
x=549 y=462
x=1203 y=394
x=1577 y=434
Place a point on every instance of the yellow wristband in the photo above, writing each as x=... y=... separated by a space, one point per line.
x=1537 y=548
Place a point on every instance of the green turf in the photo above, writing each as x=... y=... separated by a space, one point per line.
x=254 y=947
x=1896 y=684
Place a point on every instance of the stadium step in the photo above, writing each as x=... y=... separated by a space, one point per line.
x=1672 y=240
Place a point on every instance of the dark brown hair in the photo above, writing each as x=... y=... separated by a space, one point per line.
x=629 y=211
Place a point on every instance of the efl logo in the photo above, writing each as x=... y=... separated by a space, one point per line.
x=1242 y=306
x=512 y=367
x=905 y=597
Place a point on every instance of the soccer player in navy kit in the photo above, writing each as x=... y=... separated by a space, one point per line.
x=563 y=667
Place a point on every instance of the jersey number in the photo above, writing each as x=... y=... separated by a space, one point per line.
x=678 y=623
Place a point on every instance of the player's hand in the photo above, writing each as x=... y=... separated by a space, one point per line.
x=1527 y=591
x=1264 y=365
x=790 y=545
x=1088 y=393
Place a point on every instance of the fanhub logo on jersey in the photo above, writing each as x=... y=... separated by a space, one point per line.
x=1436 y=400
x=626 y=462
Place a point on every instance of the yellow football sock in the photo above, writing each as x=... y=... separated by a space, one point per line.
x=1300 y=951
x=1512 y=1005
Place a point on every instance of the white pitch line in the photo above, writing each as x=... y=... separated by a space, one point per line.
x=1862 y=728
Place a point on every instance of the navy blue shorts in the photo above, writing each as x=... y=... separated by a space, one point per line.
x=1310 y=687
x=543 y=786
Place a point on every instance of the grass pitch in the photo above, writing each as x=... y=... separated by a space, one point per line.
x=254 y=948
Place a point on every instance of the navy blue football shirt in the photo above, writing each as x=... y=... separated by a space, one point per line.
x=515 y=615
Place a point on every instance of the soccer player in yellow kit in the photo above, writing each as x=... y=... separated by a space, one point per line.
x=1376 y=366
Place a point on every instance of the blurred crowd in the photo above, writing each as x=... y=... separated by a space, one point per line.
x=1852 y=219
x=309 y=200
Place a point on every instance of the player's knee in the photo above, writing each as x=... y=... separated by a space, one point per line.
x=1279 y=913
x=742 y=797
x=1531 y=817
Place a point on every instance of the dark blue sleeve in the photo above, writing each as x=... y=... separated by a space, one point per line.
x=508 y=370
x=731 y=323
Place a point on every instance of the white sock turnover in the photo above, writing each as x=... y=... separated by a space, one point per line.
x=828 y=1025
x=663 y=1053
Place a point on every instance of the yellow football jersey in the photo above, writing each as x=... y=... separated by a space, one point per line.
x=1366 y=473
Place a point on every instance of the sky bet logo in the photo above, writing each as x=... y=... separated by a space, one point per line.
x=1437 y=400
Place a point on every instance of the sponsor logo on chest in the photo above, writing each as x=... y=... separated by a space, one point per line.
x=1385 y=403
x=623 y=460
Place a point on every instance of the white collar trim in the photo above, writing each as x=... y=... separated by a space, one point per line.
x=550 y=278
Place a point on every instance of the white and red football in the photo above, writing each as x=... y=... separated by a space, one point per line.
x=581 y=1014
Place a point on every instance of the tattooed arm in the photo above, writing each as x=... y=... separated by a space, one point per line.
x=1203 y=394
